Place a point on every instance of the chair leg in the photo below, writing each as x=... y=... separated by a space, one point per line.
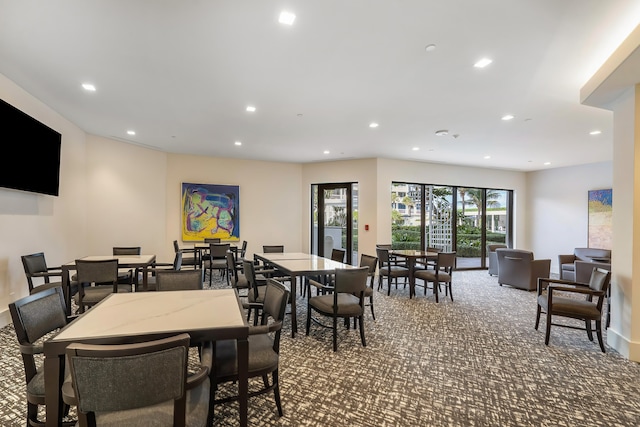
x=276 y=391
x=371 y=305
x=538 y=317
x=548 y=332
x=335 y=333
x=308 y=317
x=361 y=321
x=388 y=285
x=587 y=326
x=450 y=291
x=599 y=334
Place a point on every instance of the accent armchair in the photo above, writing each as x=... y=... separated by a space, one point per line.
x=493 y=258
x=567 y=263
x=518 y=268
x=580 y=301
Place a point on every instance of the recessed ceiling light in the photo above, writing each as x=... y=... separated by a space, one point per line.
x=88 y=87
x=442 y=132
x=326 y=152
x=483 y=63
x=416 y=148
x=131 y=132
x=547 y=163
x=373 y=125
x=430 y=47
x=286 y=18
x=508 y=117
x=595 y=132
x=487 y=157
x=238 y=143
x=251 y=108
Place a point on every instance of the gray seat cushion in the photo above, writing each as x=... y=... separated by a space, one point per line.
x=348 y=305
x=572 y=306
x=261 y=356
x=162 y=414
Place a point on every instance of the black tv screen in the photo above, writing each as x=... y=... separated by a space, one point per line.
x=31 y=152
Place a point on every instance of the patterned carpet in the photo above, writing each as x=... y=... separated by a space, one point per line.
x=476 y=361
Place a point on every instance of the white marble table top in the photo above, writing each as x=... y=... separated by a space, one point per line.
x=129 y=260
x=141 y=313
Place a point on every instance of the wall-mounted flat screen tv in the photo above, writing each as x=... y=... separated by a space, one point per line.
x=31 y=151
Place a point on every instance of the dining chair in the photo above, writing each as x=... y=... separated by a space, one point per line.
x=179 y=280
x=216 y=259
x=276 y=249
x=264 y=348
x=241 y=253
x=146 y=383
x=157 y=267
x=39 y=275
x=371 y=262
x=392 y=258
x=236 y=277
x=34 y=317
x=345 y=299
x=575 y=300
x=127 y=250
x=99 y=279
x=123 y=276
x=272 y=249
x=190 y=256
x=389 y=270
x=441 y=273
x=256 y=288
x=338 y=254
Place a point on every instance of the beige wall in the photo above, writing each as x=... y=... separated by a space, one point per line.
x=270 y=197
x=557 y=206
x=37 y=223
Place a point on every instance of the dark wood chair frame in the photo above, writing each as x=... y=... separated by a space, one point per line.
x=591 y=290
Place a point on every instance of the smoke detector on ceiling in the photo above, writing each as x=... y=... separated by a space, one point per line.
x=442 y=132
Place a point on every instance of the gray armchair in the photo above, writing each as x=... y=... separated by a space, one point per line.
x=493 y=258
x=567 y=265
x=517 y=268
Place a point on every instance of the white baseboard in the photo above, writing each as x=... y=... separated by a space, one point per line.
x=627 y=348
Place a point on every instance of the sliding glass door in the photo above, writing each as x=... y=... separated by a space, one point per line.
x=449 y=218
x=335 y=219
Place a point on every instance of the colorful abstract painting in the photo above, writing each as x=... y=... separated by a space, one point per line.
x=600 y=219
x=210 y=210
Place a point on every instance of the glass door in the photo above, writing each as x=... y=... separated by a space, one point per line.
x=334 y=220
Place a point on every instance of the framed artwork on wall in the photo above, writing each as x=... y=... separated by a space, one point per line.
x=210 y=210
x=600 y=219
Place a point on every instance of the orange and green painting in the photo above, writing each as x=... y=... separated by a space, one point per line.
x=600 y=219
x=210 y=210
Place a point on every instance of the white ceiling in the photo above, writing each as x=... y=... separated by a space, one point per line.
x=180 y=73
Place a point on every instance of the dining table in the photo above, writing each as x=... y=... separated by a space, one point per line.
x=122 y=318
x=138 y=262
x=299 y=264
x=412 y=256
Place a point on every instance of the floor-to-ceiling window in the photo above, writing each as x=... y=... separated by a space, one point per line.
x=450 y=218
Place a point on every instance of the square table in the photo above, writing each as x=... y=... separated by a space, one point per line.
x=301 y=265
x=206 y=315
x=124 y=261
